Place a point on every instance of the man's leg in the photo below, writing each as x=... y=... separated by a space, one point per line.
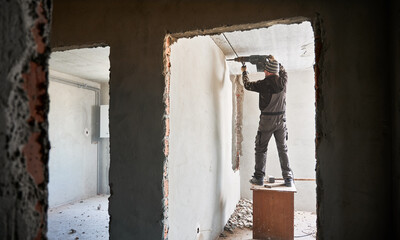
x=261 y=147
x=280 y=139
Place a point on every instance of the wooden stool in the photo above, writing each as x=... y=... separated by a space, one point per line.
x=273 y=211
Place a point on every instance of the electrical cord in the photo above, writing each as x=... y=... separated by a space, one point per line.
x=223 y=34
x=308 y=234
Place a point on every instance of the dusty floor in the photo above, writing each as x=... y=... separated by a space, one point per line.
x=304 y=228
x=88 y=219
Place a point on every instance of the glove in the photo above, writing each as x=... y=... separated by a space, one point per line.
x=270 y=58
x=243 y=68
x=281 y=68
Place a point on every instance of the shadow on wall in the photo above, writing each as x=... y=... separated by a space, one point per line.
x=217 y=85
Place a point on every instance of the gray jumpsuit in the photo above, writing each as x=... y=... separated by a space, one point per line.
x=272 y=103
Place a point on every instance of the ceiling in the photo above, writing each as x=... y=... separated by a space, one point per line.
x=89 y=63
x=292 y=45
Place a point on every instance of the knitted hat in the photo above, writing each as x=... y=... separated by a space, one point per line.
x=272 y=66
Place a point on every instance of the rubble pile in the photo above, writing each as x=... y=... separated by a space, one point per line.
x=242 y=217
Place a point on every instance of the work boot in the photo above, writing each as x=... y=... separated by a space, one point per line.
x=257 y=181
x=289 y=182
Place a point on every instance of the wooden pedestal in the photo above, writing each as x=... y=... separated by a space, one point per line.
x=273 y=212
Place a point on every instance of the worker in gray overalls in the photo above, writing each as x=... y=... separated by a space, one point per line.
x=272 y=103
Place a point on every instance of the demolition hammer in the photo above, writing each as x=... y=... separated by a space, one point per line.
x=258 y=60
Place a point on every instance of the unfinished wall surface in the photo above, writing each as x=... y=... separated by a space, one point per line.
x=203 y=188
x=354 y=105
x=73 y=157
x=300 y=114
x=23 y=118
x=395 y=76
x=104 y=149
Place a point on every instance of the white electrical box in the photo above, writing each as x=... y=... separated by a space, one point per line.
x=104 y=129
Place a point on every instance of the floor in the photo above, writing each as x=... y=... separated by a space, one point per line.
x=88 y=219
x=304 y=229
x=240 y=223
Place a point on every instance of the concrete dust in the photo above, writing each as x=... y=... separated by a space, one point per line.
x=84 y=219
x=305 y=225
x=239 y=225
x=89 y=219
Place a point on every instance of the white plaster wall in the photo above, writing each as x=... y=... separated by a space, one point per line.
x=73 y=157
x=203 y=189
x=300 y=112
x=104 y=149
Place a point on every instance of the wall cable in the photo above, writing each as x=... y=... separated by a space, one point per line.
x=223 y=34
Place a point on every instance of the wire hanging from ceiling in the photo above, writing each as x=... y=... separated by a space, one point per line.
x=223 y=34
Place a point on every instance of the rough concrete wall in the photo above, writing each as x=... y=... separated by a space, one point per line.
x=353 y=105
x=395 y=75
x=23 y=118
x=300 y=113
x=73 y=156
x=353 y=130
x=203 y=188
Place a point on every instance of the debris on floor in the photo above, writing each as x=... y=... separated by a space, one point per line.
x=305 y=225
x=83 y=219
x=242 y=217
x=240 y=224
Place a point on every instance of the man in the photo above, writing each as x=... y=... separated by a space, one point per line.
x=272 y=104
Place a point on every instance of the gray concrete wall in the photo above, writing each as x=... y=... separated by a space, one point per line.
x=24 y=145
x=73 y=156
x=354 y=113
x=203 y=187
x=395 y=76
x=355 y=143
x=300 y=113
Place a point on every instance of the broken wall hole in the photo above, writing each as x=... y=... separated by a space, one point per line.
x=201 y=95
x=79 y=159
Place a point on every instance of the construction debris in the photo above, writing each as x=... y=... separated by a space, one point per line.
x=242 y=217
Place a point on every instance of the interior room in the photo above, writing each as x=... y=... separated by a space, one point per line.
x=79 y=158
x=203 y=125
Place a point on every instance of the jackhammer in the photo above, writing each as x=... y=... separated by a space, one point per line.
x=258 y=60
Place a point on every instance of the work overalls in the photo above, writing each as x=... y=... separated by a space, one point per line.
x=272 y=121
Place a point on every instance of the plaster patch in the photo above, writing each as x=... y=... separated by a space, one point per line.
x=238 y=92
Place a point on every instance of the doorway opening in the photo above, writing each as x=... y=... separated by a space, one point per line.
x=198 y=78
x=79 y=158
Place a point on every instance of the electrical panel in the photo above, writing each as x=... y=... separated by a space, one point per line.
x=104 y=120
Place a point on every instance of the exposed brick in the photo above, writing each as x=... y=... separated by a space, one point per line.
x=36 y=92
x=36 y=30
x=33 y=155
x=167 y=75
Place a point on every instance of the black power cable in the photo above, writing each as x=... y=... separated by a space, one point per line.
x=223 y=34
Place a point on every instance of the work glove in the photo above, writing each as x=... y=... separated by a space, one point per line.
x=281 y=68
x=243 y=68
